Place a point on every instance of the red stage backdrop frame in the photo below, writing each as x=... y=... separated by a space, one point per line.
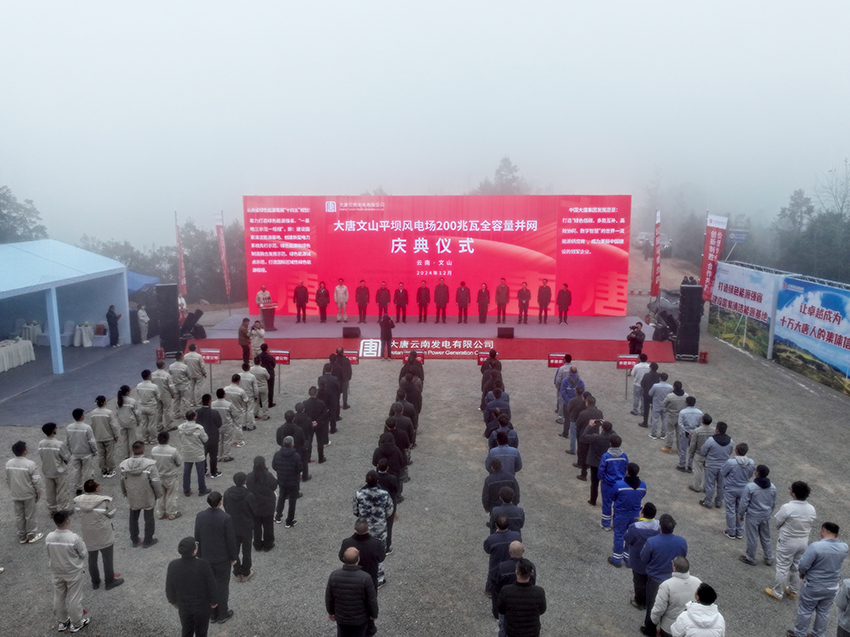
x=581 y=240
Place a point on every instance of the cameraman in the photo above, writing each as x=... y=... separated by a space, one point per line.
x=636 y=338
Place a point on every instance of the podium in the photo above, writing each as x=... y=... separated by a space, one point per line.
x=267 y=312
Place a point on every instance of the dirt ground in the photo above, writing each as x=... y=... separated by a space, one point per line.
x=437 y=571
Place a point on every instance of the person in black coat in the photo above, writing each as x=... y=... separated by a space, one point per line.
x=361 y=297
x=483 y=301
x=387 y=326
x=403 y=423
x=289 y=428
x=345 y=367
x=412 y=365
x=241 y=506
x=441 y=299
x=317 y=412
x=263 y=484
x=502 y=405
x=191 y=588
x=649 y=379
x=462 y=298
x=210 y=420
x=413 y=393
x=565 y=299
x=350 y=596
x=217 y=545
x=522 y=603
x=407 y=409
x=597 y=437
x=544 y=298
x=303 y=422
x=323 y=299
x=300 y=297
x=329 y=391
x=382 y=298
x=588 y=415
x=371 y=549
x=400 y=300
x=423 y=298
x=494 y=482
x=112 y=322
x=287 y=465
x=523 y=297
x=388 y=449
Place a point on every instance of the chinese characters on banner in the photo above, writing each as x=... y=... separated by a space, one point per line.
x=655 y=288
x=715 y=231
x=437 y=347
x=578 y=240
x=222 y=251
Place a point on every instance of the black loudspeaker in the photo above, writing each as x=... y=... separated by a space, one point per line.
x=690 y=304
x=351 y=332
x=505 y=332
x=687 y=341
x=169 y=318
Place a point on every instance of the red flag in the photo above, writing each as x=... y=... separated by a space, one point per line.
x=715 y=233
x=222 y=250
x=655 y=288
x=181 y=267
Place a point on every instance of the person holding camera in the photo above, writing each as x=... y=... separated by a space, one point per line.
x=636 y=338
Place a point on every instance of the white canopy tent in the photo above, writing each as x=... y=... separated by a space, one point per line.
x=55 y=282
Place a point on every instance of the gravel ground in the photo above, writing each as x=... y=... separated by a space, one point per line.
x=437 y=572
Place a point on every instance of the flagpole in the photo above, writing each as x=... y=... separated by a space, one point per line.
x=229 y=310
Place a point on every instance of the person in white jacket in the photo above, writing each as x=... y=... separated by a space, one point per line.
x=674 y=594
x=794 y=520
x=96 y=512
x=341 y=300
x=700 y=617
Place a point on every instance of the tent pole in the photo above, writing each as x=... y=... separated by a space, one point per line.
x=53 y=331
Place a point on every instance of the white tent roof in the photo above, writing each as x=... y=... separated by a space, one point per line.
x=35 y=266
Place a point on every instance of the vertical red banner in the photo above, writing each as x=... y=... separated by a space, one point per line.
x=715 y=233
x=655 y=288
x=222 y=250
x=181 y=267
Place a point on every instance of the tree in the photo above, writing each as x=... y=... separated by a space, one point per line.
x=833 y=190
x=19 y=221
x=506 y=181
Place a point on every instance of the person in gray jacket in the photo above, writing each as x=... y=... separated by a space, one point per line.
x=66 y=557
x=736 y=473
x=180 y=376
x=83 y=446
x=820 y=568
x=197 y=373
x=758 y=500
x=140 y=485
x=658 y=392
x=105 y=430
x=24 y=484
x=168 y=463
x=161 y=377
x=150 y=404
x=794 y=520
x=696 y=457
x=716 y=450
x=842 y=603
x=690 y=418
x=673 y=404
x=55 y=457
x=192 y=439
x=96 y=512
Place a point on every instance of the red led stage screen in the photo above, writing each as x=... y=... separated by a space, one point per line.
x=580 y=240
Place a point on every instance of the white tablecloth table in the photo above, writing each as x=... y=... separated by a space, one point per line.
x=83 y=336
x=14 y=354
x=30 y=332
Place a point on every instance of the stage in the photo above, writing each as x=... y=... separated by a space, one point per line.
x=585 y=338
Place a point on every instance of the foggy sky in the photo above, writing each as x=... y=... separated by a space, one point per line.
x=114 y=115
